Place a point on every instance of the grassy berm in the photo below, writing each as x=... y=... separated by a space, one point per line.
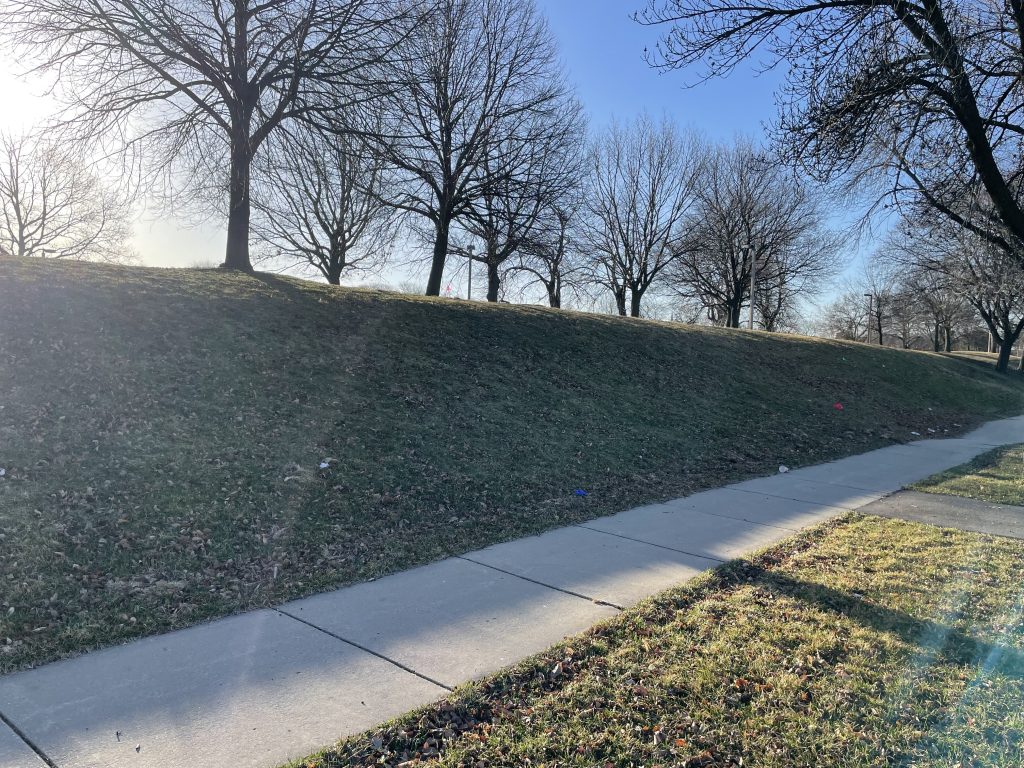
x=180 y=445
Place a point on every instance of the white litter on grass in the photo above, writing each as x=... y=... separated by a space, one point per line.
x=324 y=465
x=931 y=430
x=783 y=469
x=2 y=471
x=916 y=433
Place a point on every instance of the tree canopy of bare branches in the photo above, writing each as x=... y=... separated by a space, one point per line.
x=473 y=71
x=642 y=183
x=550 y=256
x=945 y=307
x=748 y=209
x=530 y=165
x=900 y=303
x=846 y=317
x=53 y=205
x=989 y=278
x=196 y=87
x=319 y=203
x=925 y=93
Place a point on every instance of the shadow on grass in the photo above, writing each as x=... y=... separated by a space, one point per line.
x=947 y=643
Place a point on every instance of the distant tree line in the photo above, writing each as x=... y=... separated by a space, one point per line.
x=935 y=285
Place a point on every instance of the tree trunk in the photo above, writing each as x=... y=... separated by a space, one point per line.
x=1003 y=361
x=440 y=255
x=732 y=319
x=881 y=342
x=634 y=302
x=935 y=339
x=334 y=272
x=554 y=295
x=620 y=302
x=493 y=282
x=237 y=253
x=947 y=333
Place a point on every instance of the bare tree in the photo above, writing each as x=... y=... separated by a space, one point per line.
x=531 y=165
x=53 y=205
x=642 y=184
x=551 y=258
x=989 y=278
x=200 y=85
x=847 y=316
x=319 y=203
x=927 y=93
x=471 y=70
x=994 y=284
x=747 y=209
x=946 y=308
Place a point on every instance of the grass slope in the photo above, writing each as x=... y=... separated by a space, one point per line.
x=865 y=642
x=996 y=476
x=162 y=434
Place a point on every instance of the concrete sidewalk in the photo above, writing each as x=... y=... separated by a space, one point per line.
x=952 y=512
x=272 y=685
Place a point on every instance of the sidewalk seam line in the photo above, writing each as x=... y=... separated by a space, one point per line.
x=370 y=651
x=649 y=544
x=802 y=501
x=589 y=599
x=735 y=486
x=917 y=444
x=738 y=519
x=28 y=742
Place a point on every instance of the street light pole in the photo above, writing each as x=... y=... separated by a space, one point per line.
x=748 y=253
x=469 y=278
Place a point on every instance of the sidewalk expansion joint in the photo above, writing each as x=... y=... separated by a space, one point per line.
x=917 y=444
x=370 y=651
x=649 y=544
x=819 y=482
x=748 y=520
x=28 y=742
x=588 y=598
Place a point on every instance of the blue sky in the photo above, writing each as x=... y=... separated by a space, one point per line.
x=603 y=49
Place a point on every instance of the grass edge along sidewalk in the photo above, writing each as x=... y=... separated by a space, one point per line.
x=996 y=476
x=863 y=641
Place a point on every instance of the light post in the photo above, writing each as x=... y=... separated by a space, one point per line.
x=469 y=270
x=871 y=314
x=748 y=253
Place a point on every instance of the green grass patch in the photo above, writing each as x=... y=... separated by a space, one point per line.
x=865 y=642
x=162 y=434
x=996 y=476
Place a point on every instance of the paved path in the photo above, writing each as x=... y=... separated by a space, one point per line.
x=952 y=512
x=271 y=685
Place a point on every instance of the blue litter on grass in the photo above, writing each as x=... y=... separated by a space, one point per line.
x=580 y=492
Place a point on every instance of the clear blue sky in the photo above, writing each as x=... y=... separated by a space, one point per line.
x=603 y=49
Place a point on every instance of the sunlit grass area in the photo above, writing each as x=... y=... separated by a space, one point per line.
x=985 y=358
x=866 y=642
x=996 y=476
x=179 y=445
